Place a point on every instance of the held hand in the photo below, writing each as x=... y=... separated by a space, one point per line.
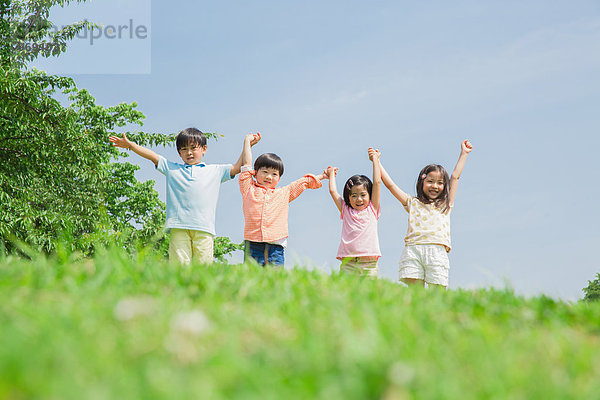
x=253 y=138
x=466 y=147
x=120 y=142
x=374 y=154
x=331 y=171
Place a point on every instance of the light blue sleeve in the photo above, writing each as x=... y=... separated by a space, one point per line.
x=226 y=172
x=163 y=165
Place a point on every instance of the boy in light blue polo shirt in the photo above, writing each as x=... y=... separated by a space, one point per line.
x=192 y=194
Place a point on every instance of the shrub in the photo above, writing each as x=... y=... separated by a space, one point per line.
x=592 y=292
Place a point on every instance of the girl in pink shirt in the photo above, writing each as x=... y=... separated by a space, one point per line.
x=359 y=208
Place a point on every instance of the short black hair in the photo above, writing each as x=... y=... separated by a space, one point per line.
x=190 y=136
x=357 y=180
x=269 y=160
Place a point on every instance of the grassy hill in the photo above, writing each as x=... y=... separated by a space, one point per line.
x=115 y=328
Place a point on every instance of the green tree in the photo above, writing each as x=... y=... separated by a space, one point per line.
x=58 y=178
x=592 y=291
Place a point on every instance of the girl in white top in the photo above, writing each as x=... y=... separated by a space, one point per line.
x=425 y=257
x=359 y=211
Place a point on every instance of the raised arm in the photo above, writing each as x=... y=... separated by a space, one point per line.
x=465 y=148
x=374 y=156
x=246 y=157
x=337 y=199
x=395 y=190
x=125 y=143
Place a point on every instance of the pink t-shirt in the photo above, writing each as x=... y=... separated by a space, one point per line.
x=359 y=232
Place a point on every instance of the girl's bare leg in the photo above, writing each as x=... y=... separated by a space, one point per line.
x=433 y=286
x=414 y=282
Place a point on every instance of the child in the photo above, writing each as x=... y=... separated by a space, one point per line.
x=266 y=206
x=359 y=208
x=425 y=257
x=192 y=194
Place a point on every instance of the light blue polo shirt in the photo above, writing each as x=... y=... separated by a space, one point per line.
x=192 y=193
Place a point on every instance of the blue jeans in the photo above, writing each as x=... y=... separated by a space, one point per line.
x=257 y=250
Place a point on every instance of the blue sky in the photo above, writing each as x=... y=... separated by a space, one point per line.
x=323 y=81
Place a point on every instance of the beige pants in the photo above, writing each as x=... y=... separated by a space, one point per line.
x=363 y=266
x=188 y=245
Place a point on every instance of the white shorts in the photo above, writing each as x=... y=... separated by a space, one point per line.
x=428 y=262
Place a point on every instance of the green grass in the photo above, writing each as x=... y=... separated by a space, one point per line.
x=115 y=328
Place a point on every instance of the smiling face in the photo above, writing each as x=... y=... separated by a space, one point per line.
x=433 y=185
x=359 y=197
x=192 y=153
x=268 y=177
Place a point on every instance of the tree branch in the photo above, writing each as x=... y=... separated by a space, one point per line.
x=30 y=107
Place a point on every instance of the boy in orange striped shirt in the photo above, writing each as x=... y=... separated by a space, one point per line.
x=266 y=206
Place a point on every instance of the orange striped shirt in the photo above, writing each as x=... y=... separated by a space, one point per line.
x=266 y=210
